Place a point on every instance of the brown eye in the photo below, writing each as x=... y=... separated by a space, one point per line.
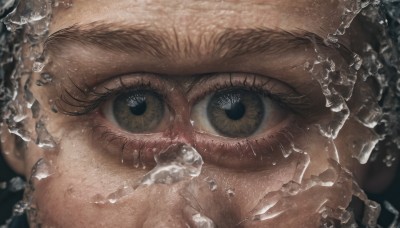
x=235 y=113
x=138 y=111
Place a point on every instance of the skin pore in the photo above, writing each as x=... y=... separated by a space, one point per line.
x=184 y=52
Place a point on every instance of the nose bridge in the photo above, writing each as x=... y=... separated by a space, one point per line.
x=181 y=130
x=168 y=209
x=186 y=204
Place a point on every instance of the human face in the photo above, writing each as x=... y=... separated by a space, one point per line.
x=274 y=169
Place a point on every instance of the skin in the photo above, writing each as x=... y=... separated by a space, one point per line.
x=82 y=169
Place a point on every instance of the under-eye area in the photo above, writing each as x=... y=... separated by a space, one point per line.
x=248 y=117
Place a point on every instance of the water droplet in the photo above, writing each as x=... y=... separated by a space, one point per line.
x=45 y=78
x=201 y=221
x=98 y=199
x=230 y=192
x=20 y=132
x=211 y=184
x=44 y=139
x=38 y=66
x=20 y=208
x=291 y=188
x=16 y=184
x=41 y=170
x=389 y=207
x=176 y=163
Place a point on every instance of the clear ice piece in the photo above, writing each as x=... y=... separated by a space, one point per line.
x=16 y=184
x=44 y=139
x=176 y=163
x=38 y=66
x=201 y=221
x=394 y=211
x=41 y=170
x=212 y=185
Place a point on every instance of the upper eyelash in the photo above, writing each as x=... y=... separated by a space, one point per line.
x=293 y=101
x=91 y=99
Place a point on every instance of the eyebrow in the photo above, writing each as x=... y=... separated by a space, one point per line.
x=229 y=43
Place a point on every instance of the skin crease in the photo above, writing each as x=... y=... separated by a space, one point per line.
x=81 y=170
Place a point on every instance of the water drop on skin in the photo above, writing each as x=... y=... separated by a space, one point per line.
x=44 y=139
x=38 y=66
x=212 y=184
x=54 y=108
x=230 y=192
x=41 y=170
x=202 y=221
x=177 y=163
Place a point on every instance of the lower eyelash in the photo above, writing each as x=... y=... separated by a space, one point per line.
x=126 y=148
x=249 y=153
x=246 y=154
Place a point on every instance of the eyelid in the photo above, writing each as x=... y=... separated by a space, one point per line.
x=80 y=103
x=263 y=85
x=118 y=141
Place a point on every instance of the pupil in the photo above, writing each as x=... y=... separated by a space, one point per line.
x=236 y=111
x=139 y=108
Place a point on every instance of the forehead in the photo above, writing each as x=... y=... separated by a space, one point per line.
x=203 y=16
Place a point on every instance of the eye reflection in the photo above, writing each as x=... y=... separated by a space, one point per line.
x=235 y=113
x=138 y=111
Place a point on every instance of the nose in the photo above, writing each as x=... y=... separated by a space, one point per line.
x=183 y=204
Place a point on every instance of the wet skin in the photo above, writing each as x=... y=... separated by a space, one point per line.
x=87 y=160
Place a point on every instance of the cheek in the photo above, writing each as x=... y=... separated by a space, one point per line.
x=81 y=173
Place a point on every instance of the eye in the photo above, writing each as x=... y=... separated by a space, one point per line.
x=137 y=111
x=236 y=113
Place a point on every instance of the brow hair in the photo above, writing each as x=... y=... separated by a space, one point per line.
x=229 y=43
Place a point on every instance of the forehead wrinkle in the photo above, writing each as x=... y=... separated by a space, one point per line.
x=225 y=44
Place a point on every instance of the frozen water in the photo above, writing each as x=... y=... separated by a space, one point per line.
x=20 y=208
x=44 y=139
x=20 y=132
x=351 y=8
x=45 y=78
x=28 y=12
x=38 y=66
x=16 y=184
x=288 y=199
x=395 y=212
x=323 y=70
x=176 y=163
x=211 y=184
x=179 y=162
x=42 y=170
x=230 y=192
x=201 y=221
